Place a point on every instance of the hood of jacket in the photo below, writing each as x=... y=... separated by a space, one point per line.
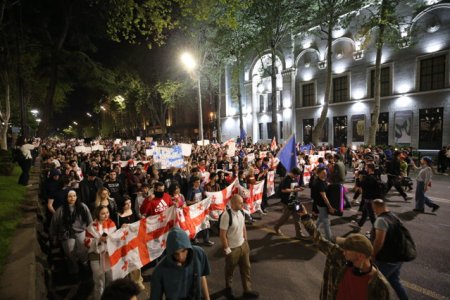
x=177 y=239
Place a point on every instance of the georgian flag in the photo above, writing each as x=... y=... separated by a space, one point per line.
x=252 y=196
x=307 y=174
x=194 y=218
x=270 y=183
x=219 y=200
x=141 y=242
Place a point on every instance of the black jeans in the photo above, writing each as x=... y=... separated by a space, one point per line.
x=367 y=211
x=393 y=181
x=25 y=176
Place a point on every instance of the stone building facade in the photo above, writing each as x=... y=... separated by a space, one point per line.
x=415 y=85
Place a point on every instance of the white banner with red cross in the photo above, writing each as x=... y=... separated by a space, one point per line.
x=139 y=243
x=194 y=218
x=252 y=196
x=219 y=200
x=270 y=183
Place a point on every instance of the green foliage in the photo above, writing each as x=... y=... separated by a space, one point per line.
x=145 y=21
x=170 y=91
x=12 y=194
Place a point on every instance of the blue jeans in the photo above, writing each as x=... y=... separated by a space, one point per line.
x=421 y=198
x=392 y=273
x=323 y=219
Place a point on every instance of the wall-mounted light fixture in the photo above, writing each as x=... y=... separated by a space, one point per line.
x=322 y=64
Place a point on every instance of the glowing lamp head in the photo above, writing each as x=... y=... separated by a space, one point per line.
x=188 y=61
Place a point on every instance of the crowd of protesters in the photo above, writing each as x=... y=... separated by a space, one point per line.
x=89 y=195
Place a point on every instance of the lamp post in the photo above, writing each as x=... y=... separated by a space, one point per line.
x=190 y=64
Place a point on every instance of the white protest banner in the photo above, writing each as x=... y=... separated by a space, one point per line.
x=138 y=139
x=231 y=149
x=168 y=157
x=204 y=143
x=148 y=152
x=250 y=157
x=117 y=141
x=270 y=183
x=186 y=149
x=98 y=148
x=79 y=149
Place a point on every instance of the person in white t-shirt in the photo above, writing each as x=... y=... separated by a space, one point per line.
x=236 y=248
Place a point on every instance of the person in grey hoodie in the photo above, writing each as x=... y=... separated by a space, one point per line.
x=181 y=274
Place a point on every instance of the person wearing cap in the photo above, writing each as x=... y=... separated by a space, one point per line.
x=423 y=184
x=349 y=272
x=289 y=187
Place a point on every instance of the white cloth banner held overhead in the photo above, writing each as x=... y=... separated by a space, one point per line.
x=136 y=245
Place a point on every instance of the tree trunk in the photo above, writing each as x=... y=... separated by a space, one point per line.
x=273 y=76
x=323 y=115
x=47 y=112
x=7 y=115
x=377 y=79
x=219 y=107
x=241 y=117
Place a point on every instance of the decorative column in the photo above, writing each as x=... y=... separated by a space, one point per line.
x=288 y=94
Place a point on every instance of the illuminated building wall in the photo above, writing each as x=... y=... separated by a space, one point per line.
x=415 y=86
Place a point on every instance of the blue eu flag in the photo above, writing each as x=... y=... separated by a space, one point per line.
x=288 y=154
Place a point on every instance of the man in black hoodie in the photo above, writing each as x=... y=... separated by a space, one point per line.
x=182 y=273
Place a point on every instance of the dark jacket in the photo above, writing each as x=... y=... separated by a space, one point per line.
x=87 y=194
x=179 y=282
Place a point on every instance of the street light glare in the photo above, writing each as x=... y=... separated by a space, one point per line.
x=34 y=111
x=188 y=61
x=89 y=115
x=102 y=107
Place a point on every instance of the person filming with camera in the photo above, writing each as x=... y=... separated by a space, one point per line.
x=349 y=272
x=289 y=188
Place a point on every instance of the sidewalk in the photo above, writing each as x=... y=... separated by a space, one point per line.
x=24 y=273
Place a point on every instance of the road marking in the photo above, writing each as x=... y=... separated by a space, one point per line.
x=423 y=291
x=439 y=199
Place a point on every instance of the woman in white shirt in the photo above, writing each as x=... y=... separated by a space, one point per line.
x=25 y=163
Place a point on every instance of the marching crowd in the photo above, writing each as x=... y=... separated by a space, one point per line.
x=90 y=195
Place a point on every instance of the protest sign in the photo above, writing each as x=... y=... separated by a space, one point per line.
x=186 y=149
x=231 y=149
x=168 y=157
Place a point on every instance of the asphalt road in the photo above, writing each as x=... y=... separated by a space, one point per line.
x=285 y=268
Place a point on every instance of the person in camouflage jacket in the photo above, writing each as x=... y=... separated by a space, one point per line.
x=340 y=276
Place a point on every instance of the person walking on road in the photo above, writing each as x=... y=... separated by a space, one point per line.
x=96 y=236
x=394 y=176
x=181 y=274
x=349 y=272
x=423 y=184
x=384 y=245
x=289 y=187
x=68 y=227
x=319 y=196
x=236 y=248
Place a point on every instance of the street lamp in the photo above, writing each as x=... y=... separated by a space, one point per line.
x=89 y=115
x=190 y=65
x=102 y=108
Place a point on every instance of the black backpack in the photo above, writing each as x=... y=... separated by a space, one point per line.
x=399 y=245
x=230 y=219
